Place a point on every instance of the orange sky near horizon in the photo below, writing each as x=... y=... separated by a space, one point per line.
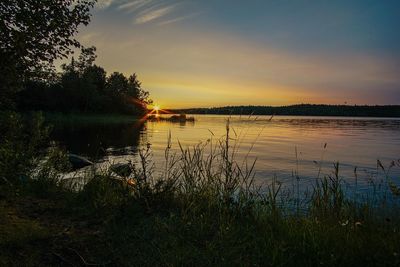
x=197 y=55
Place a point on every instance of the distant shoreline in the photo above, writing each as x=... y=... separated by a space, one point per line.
x=388 y=111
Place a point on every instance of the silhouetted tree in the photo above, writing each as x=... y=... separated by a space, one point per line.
x=83 y=86
x=96 y=76
x=117 y=84
x=34 y=32
x=80 y=81
x=70 y=82
x=93 y=81
x=134 y=87
x=86 y=58
x=135 y=90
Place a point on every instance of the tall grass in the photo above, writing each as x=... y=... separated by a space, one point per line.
x=209 y=175
x=204 y=208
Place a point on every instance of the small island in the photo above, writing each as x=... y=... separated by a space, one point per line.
x=174 y=118
x=280 y=145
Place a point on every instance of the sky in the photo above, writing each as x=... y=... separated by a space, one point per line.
x=207 y=53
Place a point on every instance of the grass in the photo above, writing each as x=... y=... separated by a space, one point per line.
x=204 y=210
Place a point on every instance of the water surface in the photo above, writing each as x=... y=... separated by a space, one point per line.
x=284 y=146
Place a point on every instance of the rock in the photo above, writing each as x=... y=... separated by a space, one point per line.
x=122 y=169
x=78 y=162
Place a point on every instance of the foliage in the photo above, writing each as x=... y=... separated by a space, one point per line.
x=32 y=35
x=87 y=88
x=202 y=210
x=35 y=33
x=303 y=109
x=22 y=145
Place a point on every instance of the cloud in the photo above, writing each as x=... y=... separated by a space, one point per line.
x=173 y=20
x=134 y=5
x=153 y=14
x=265 y=62
x=212 y=64
x=102 y=4
x=147 y=10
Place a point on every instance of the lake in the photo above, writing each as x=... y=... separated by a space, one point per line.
x=283 y=145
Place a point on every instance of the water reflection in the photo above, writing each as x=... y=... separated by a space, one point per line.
x=99 y=139
x=354 y=142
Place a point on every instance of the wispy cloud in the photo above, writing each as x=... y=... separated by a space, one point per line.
x=173 y=20
x=153 y=14
x=144 y=11
x=104 y=3
x=134 y=5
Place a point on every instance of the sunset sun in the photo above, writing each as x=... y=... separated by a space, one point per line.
x=192 y=132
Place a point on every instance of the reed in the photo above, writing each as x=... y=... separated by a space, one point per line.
x=204 y=208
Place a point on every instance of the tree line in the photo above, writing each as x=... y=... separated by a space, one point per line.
x=33 y=34
x=82 y=86
x=302 y=109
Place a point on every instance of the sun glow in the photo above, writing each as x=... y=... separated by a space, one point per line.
x=156 y=111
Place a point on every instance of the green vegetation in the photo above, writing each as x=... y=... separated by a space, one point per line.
x=32 y=35
x=303 y=109
x=36 y=33
x=204 y=209
x=87 y=89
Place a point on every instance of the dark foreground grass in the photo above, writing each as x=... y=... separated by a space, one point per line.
x=96 y=227
x=204 y=210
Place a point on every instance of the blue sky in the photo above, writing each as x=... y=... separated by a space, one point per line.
x=213 y=53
